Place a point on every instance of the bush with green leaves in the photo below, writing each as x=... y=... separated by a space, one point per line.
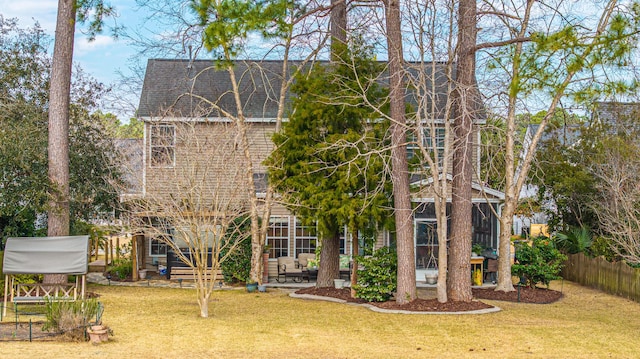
x=576 y=240
x=378 y=280
x=538 y=262
x=70 y=316
x=121 y=268
x=236 y=267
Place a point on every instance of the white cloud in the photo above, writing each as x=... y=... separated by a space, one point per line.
x=84 y=46
x=42 y=11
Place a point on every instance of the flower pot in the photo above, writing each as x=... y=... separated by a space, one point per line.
x=252 y=287
x=431 y=278
x=142 y=273
x=338 y=283
x=98 y=334
x=262 y=288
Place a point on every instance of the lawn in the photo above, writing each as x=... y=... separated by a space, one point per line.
x=163 y=323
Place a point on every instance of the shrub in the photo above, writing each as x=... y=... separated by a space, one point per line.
x=70 y=316
x=539 y=262
x=236 y=267
x=378 y=280
x=577 y=240
x=121 y=268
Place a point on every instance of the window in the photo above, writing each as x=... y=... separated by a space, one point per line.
x=438 y=146
x=163 y=143
x=305 y=237
x=343 y=239
x=157 y=247
x=431 y=144
x=278 y=236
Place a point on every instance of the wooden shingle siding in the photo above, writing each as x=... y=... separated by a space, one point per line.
x=208 y=150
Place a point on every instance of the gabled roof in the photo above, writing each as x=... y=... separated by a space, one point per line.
x=492 y=195
x=611 y=111
x=184 y=88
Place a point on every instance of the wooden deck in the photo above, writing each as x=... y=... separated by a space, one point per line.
x=98 y=266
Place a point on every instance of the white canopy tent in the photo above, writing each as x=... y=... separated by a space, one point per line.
x=45 y=255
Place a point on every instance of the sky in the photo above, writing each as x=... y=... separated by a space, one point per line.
x=102 y=58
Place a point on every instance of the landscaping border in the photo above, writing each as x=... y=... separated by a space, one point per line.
x=390 y=311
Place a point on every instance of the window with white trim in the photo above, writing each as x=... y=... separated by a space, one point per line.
x=306 y=238
x=163 y=146
x=343 y=239
x=433 y=145
x=158 y=246
x=278 y=236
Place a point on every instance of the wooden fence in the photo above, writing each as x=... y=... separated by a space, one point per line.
x=614 y=278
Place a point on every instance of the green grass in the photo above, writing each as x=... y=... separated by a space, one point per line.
x=164 y=323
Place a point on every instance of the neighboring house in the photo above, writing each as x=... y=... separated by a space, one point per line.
x=195 y=92
x=568 y=134
x=613 y=114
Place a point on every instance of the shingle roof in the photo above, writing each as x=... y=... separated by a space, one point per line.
x=183 y=88
x=610 y=112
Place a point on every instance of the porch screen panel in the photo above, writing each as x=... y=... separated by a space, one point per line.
x=426 y=244
x=482 y=227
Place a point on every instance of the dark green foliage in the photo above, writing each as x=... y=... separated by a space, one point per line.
x=24 y=183
x=539 y=262
x=602 y=247
x=227 y=23
x=327 y=163
x=378 y=280
x=236 y=267
x=576 y=240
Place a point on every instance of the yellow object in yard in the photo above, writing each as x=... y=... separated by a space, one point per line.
x=477 y=277
x=538 y=230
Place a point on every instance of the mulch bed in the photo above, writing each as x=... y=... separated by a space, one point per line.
x=527 y=295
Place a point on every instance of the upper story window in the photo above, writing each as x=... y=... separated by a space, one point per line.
x=433 y=144
x=163 y=145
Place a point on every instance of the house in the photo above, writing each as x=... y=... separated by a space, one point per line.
x=195 y=92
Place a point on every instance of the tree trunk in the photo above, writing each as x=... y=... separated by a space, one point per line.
x=459 y=284
x=203 y=299
x=406 y=291
x=329 y=261
x=504 y=259
x=58 y=147
x=441 y=290
x=338 y=27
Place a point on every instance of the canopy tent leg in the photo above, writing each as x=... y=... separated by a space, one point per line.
x=6 y=292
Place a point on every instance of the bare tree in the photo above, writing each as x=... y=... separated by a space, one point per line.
x=617 y=174
x=198 y=205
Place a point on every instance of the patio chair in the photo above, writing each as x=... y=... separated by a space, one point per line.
x=287 y=269
x=304 y=258
x=491 y=270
